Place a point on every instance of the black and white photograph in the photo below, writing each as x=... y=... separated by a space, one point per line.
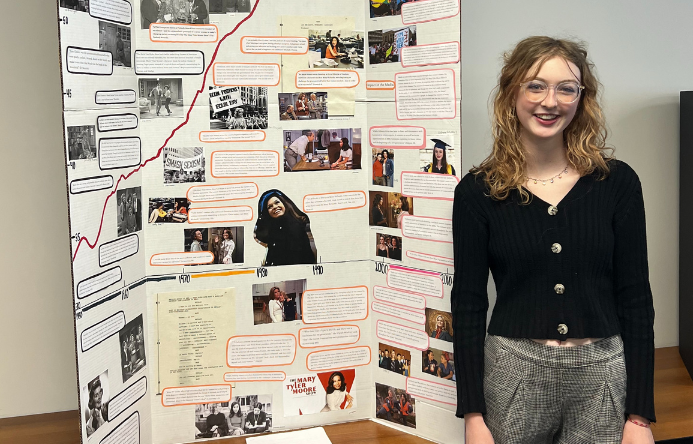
x=385 y=46
x=243 y=415
x=226 y=243
x=438 y=363
x=387 y=246
x=395 y=405
x=303 y=106
x=116 y=40
x=168 y=210
x=184 y=165
x=129 y=210
x=387 y=8
x=383 y=167
x=439 y=156
x=278 y=301
x=237 y=107
x=335 y=48
x=174 y=11
x=132 y=355
x=161 y=98
x=229 y=6
x=95 y=397
x=322 y=150
x=394 y=359
x=81 y=142
x=75 y=5
x=439 y=324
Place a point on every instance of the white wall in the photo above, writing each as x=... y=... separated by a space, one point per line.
x=642 y=52
x=37 y=347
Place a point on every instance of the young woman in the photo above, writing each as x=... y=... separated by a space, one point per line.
x=395 y=249
x=284 y=230
x=382 y=249
x=377 y=211
x=226 y=248
x=445 y=369
x=276 y=306
x=301 y=108
x=405 y=210
x=337 y=394
x=345 y=154
x=378 y=170
x=235 y=420
x=332 y=51
x=439 y=164
x=561 y=224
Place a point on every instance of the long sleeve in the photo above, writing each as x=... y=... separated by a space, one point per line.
x=634 y=299
x=469 y=301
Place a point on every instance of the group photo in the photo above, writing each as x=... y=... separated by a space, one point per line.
x=395 y=405
x=174 y=11
x=387 y=246
x=237 y=107
x=386 y=8
x=184 y=165
x=132 y=354
x=226 y=243
x=394 y=359
x=322 y=150
x=242 y=415
x=303 y=106
x=385 y=46
x=388 y=209
x=383 y=167
x=438 y=363
x=129 y=210
x=278 y=301
x=168 y=210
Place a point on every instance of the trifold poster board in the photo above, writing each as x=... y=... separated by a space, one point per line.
x=260 y=194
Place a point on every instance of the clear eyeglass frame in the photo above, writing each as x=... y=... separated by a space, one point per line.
x=538 y=97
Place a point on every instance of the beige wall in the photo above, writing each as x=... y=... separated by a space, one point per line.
x=641 y=50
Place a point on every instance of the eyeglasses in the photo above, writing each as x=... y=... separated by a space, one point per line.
x=565 y=92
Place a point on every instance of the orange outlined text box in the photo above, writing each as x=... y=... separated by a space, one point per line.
x=259 y=376
x=245 y=74
x=181 y=258
x=338 y=358
x=232 y=136
x=228 y=164
x=195 y=394
x=421 y=388
x=251 y=351
x=183 y=33
x=314 y=337
x=220 y=215
x=339 y=201
x=251 y=44
x=222 y=192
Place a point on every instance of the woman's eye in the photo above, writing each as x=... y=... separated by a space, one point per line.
x=567 y=89
x=534 y=86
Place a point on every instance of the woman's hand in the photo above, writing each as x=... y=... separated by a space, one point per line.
x=635 y=434
x=475 y=430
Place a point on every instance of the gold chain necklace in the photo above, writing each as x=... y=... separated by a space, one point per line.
x=550 y=179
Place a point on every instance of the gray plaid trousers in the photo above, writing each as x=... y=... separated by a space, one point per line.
x=539 y=394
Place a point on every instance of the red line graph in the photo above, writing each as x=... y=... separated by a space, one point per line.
x=160 y=150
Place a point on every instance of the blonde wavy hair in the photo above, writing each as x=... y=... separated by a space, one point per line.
x=585 y=136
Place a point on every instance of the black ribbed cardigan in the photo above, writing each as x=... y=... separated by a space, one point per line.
x=600 y=226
